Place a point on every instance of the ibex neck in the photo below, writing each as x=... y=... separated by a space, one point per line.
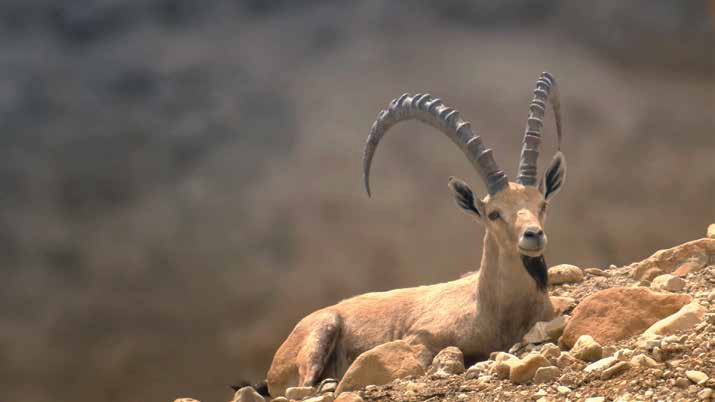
x=503 y=270
x=507 y=295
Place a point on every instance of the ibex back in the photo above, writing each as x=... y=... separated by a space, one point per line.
x=480 y=313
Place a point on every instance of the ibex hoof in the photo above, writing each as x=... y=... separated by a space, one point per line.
x=327 y=385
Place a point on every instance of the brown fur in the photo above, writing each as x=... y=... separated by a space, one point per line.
x=478 y=313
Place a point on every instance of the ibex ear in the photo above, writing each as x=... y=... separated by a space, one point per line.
x=554 y=176
x=465 y=197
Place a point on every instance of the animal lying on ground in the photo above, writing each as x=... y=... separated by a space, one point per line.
x=480 y=313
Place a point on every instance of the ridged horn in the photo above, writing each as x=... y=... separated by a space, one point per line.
x=432 y=111
x=546 y=89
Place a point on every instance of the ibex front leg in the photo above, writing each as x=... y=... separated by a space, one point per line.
x=301 y=359
x=317 y=348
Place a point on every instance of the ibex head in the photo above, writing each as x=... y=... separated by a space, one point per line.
x=513 y=212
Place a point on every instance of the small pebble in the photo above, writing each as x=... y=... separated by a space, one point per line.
x=697 y=377
x=563 y=390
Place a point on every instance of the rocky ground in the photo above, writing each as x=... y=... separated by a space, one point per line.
x=642 y=332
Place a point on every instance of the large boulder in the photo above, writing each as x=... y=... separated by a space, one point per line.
x=381 y=365
x=711 y=231
x=692 y=255
x=618 y=313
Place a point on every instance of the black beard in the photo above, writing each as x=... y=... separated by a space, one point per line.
x=536 y=267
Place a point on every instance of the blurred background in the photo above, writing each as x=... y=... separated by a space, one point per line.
x=180 y=180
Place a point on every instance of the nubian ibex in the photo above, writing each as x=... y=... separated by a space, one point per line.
x=480 y=313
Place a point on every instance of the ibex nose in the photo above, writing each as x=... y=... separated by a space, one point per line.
x=533 y=233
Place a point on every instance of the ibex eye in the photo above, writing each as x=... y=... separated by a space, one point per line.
x=494 y=215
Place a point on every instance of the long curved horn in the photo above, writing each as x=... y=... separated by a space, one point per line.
x=545 y=89
x=432 y=111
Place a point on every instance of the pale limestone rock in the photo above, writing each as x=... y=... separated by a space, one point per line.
x=563 y=390
x=705 y=394
x=502 y=364
x=546 y=374
x=565 y=273
x=550 y=351
x=381 y=365
x=587 y=349
x=649 y=275
x=668 y=282
x=541 y=392
x=608 y=351
x=617 y=368
x=280 y=399
x=627 y=397
x=299 y=393
x=502 y=356
x=596 y=272
x=600 y=365
x=247 y=394
x=649 y=342
x=687 y=317
x=697 y=377
x=327 y=385
x=502 y=369
x=321 y=398
x=595 y=399
x=565 y=360
x=449 y=361
x=544 y=331
x=348 y=397
x=623 y=354
x=483 y=379
x=711 y=231
x=524 y=370
x=644 y=361
x=478 y=369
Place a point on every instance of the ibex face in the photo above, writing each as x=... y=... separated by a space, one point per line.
x=515 y=216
